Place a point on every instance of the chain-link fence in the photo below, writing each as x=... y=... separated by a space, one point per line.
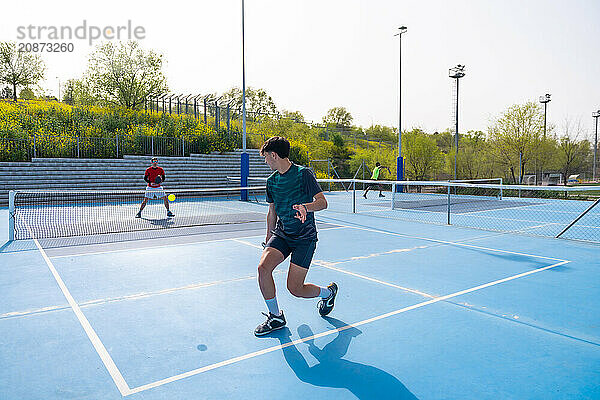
x=552 y=211
x=225 y=116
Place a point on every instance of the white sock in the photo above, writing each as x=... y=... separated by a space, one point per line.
x=272 y=306
x=325 y=292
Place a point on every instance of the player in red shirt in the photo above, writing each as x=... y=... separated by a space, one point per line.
x=154 y=176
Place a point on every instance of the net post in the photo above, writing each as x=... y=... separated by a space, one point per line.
x=353 y=197
x=448 y=202
x=394 y=195
x=500 y=188
x=11 y=215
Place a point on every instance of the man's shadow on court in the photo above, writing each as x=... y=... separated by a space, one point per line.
x=364 y=381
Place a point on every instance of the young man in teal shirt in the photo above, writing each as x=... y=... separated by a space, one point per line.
x=294 y=196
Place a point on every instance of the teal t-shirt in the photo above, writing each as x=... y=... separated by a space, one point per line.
x=297 y=185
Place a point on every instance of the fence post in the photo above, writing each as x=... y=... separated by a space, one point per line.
x=77 y=146
x=182 y=146
x=328 y=174
x=363 y=174
x=34 y=147
x=217 y=117
x=448 y=202
x=228 y=110
x=353 y=197
x=117 y=139
x=152 y=140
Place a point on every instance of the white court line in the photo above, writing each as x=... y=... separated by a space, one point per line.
x=499 y=209
x=124 y=388
x=176 y=245
x=87 y=327
x=324 y=264
x=332 y=331
x=448 y=242
x=139 y=295
x=331 y=264
x=327 y=265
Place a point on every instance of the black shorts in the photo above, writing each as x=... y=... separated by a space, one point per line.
x=302 y=253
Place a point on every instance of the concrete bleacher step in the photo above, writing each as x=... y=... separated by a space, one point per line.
x=196 y=171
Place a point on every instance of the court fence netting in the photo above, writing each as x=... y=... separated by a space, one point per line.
x=551 y=211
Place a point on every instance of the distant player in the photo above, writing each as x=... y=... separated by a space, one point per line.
x=294 y=195
x=375 y=176
x=154 y=176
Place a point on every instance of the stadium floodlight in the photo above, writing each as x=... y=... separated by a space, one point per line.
x=545 y=99
x=456 y=73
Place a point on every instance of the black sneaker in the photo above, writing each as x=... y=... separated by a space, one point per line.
x=365 y=195
x=138 y=215
x=326 y=305
x=381 y=195
x=272 y=323
x=170 y=214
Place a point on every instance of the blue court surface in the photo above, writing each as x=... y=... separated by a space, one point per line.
x=424 y=311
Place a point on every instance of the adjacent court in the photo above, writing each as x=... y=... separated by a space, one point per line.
x=425 y=311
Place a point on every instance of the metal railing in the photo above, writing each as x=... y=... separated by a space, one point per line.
x=67 y=146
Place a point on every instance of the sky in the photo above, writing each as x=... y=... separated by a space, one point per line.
x=312 y=55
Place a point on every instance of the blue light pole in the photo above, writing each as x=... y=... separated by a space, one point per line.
x=400 y=160
x=245 y=157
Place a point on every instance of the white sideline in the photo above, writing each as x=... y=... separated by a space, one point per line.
x=332 y=331
x=126 y=391
x=87 y=327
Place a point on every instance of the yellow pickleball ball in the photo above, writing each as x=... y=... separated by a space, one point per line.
x=171 y=197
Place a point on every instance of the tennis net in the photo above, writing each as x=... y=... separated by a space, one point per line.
x=566 y=212
x=40 y=214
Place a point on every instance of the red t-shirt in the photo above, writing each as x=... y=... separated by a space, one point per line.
x=152 y=173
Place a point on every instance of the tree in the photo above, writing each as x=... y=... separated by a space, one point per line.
x=6 y=93
x=19 y=68
x=421 y=154
x=572 y=153
x=474 y=159
x=124 y=74
x=381 y=132
x=259 y=104
x=339 y=117
x=26 y=94
x=295 y=116
x=444 y=140
x=514 y=136
x=77 y=92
